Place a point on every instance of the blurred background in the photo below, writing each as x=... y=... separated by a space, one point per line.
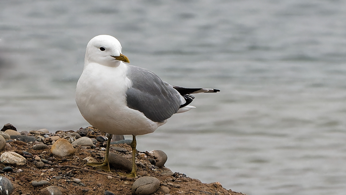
x=278 y=125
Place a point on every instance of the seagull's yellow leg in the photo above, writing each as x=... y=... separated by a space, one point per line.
x=105 y=164
x=134 y=151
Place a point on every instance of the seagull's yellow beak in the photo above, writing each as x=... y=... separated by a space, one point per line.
x=122 y=57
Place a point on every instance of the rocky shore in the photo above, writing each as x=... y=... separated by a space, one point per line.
x=44 y=163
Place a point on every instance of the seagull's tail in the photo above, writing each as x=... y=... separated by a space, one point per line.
x=183 y=91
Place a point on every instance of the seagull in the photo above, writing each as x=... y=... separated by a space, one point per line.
x=122 y=99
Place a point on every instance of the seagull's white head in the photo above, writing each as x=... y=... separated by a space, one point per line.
x=105 y=50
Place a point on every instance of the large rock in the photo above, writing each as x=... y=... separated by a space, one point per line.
x=5 y=135
x=117 y=161
x=145 y=185
x=12 y=158
x=6 y=187
x=62 y=148
x=2 y=143
x=83 y=141
x=12 y=132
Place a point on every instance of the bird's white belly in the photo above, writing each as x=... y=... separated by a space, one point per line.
x=101 y=99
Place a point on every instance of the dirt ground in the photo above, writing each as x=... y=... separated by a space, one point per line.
x=63 y=171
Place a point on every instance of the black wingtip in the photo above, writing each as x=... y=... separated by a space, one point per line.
x=216 y=90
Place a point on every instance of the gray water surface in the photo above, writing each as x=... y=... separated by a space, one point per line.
x=278 y=125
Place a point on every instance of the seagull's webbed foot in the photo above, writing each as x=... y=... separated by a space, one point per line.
x=105 y=164
x=101 y=165
x=134 y=151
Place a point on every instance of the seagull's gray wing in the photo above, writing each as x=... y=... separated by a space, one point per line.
x=156 y=99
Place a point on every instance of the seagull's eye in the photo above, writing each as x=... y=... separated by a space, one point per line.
x=102 y=48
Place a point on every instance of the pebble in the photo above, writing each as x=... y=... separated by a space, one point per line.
x=160 y=157
x=12 y=132
x=5 y=135
x=62 y=148
x=6 y=186
x=90 y=159
x=12 y=158
x=39 y=183
x=24 y=133
x=54 y=138
x=164 y=189
x=8 y=126
x=39 y=164
x=101 y=138
x=43 y=131
x=40 y=147
x=145 y=185
x=83 y=141
x=2 y=143
x=7 y=169
x=23 y=138
x=166 y=172
x=117 y=161
x=51 y=190
x=108 y=193
x=119 y=149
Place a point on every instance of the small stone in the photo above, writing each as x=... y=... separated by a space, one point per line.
x=160 y=157
x=37 y=158
x=76 y=180
x=43 y=131
x=12 y=158
x=117 y=161
x=83 y=141
x=12 y=132
x=39 y=183
x=23 y=138
x=6 y=186
x=5 y=135
x=164 y=189
x=24 y=133
x=7 y=169
x=90 y=159
x=27 y=154
x=101 y=138
x=62 y=148
x=40 y=147
x=2 y=143
x=119 y=149
x=54 y=138
x=39 y=164
x=8 y=126
x=145 y=185
x=51 y=190
x=109 y=177
x=166 y=172
x=108 y=193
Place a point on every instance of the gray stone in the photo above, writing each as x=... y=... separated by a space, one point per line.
x=108 y=193
x=62 y=148
x=5 y=135
x=39 y=183
x=117 y=161
x=119 y=149
x=6 y=186
x=160 y=157
x=101 y=138
x=166 y=172
x=83 y=141
x=51 y=190
x=145 y=185
x=24 y=138
x=12 y=158
x=40 y=147
x=2 y=143
x=7 y=169
x=164 y=189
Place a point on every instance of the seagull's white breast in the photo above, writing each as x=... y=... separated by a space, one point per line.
x=101 y=99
